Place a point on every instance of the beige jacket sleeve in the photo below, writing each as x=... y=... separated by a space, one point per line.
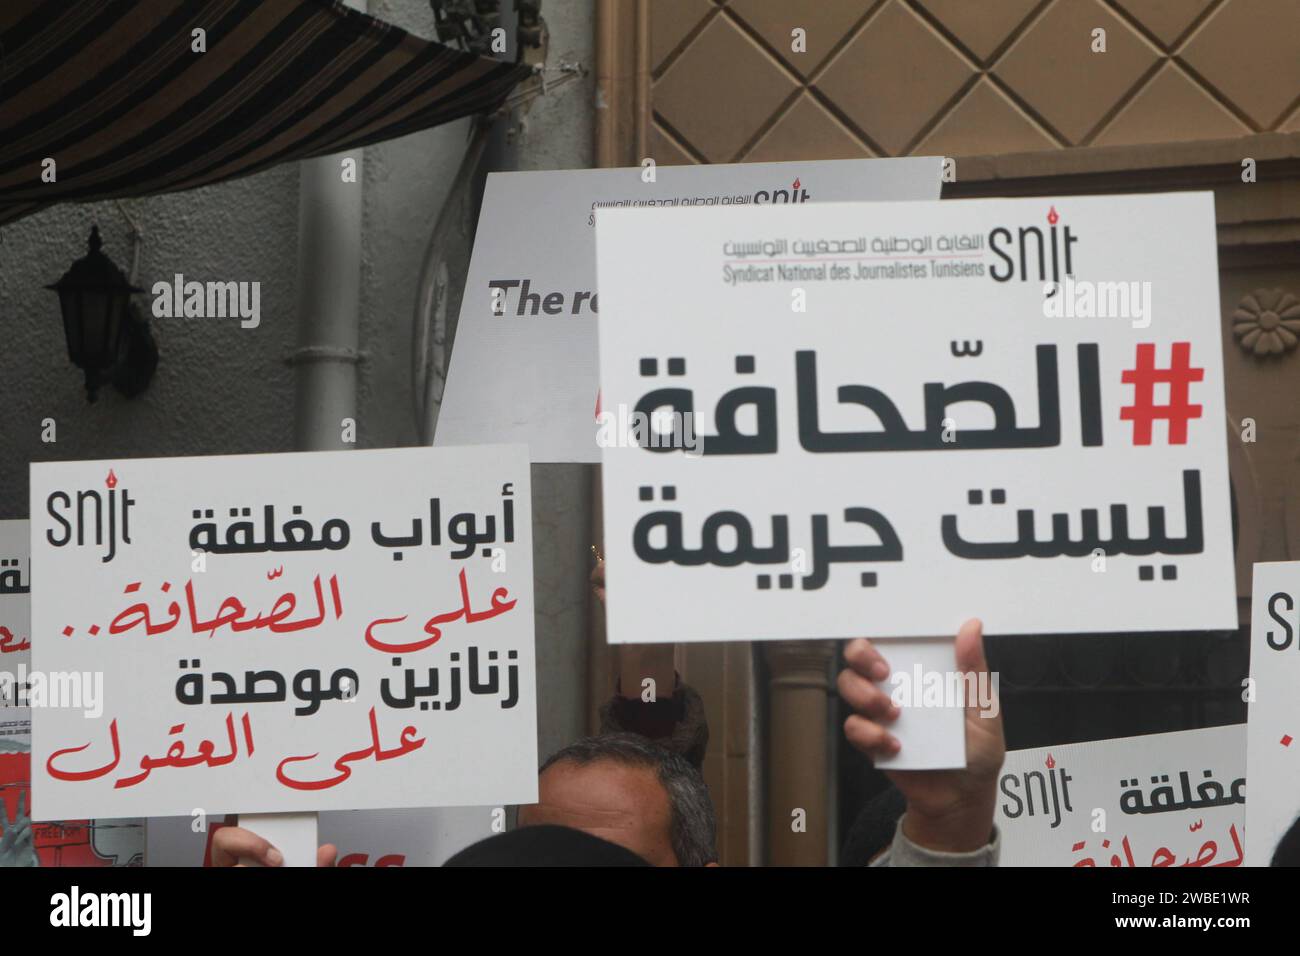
x=903 y=852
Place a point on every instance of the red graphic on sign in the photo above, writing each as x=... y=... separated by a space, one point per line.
x=64 y=843
x=1144 y=378
x=10 y=644
x=363 y=859
x=1052 y=217
x=111 y=480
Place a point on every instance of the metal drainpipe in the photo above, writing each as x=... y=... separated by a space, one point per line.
x=329 y=299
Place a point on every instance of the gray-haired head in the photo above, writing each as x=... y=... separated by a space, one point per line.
x=694 y=828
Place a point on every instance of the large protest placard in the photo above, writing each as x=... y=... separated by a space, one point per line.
x=333 y=630
x=54 y=842
x=1158 y=800
x=1273 y=747
x=523 y=368
x=882 y=419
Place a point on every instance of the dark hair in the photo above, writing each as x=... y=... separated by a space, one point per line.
x=545 y=845
x=1287 y=852
x=694 y=829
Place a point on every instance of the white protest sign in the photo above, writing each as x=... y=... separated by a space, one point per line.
x=15 y=622
x=292 y=632
x=523 y=365
x=1158 y=800
x=1273 y=737
x=844 y=419
x=17 y=841
x=73 y=843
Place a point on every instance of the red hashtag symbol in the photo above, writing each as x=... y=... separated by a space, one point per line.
x=1144 y=379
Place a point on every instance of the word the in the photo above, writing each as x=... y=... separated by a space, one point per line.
x=524 y=301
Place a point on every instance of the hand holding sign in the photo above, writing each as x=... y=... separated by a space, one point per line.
x=235 y=846
x=947 y=810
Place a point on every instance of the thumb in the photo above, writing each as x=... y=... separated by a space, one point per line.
x=971 y=660
x=970 y=647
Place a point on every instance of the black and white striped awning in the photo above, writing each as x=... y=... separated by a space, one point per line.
x=115 y=93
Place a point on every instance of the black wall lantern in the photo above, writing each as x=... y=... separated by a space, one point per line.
x=107 y=337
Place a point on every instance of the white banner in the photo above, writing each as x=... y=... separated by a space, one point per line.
x=71 y=843
x=1157 y=800
x=524 y=367
x=15 y=624
x=335 y=630
x=1273 y=747
x=15 y=717
x=882 y=419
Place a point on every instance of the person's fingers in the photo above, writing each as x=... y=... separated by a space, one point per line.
x=598 y=574
x=864 y=696
x=869 y=737
x=230 y=845
x=863 y=657
x=326 y=855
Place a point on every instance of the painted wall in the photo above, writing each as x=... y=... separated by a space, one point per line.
x=221 y=389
